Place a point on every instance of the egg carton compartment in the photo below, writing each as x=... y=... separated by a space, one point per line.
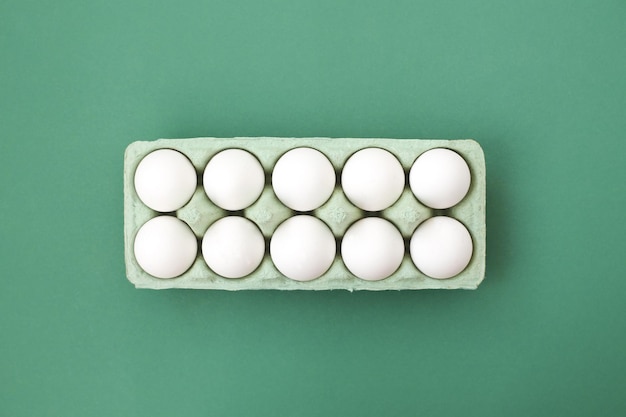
x=338 y=213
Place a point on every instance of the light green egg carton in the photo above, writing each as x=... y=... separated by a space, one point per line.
x=338 y=213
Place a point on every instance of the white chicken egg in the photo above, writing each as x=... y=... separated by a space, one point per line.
x=372 y=248
x=233 y=179
x=372 y=179
x=441 y=247
x=165 y=180
x=303 y=248
x=165 y=247
x=440 y=178
x=303 y=179
x=233 y=247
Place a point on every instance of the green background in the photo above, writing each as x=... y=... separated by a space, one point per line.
x=540 y=84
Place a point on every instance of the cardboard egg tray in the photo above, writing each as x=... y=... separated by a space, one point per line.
x=338 y=213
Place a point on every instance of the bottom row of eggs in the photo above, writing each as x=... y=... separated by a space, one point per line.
x=303 y=247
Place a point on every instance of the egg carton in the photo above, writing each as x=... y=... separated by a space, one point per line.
x=338 y=213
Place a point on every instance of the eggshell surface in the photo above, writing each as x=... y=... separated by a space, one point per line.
x=233 y=247
x=165 y=247
x=303 y=179
x=233 y=179
x=165 y=180
x=372 y=248
x=440 y=178
x=372 y=179
x=303 y=248
x=441 y=247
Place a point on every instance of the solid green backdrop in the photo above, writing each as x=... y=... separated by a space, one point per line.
x=540 y=84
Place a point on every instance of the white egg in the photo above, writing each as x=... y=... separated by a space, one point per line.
x=165 y=180
x=441 y=247
x=165 y=247
x=372 y=248
x=233 y=247
x=440 y=178
x=372 y=179
x=233 y=179
x=303 y=248
x=303 y=179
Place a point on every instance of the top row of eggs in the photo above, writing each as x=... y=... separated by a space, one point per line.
x=303 y=179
